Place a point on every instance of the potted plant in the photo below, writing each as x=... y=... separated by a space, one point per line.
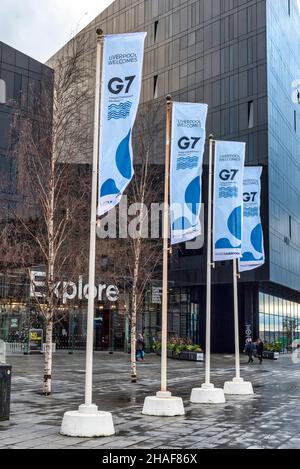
x=181 y=349
x=192 y=353
x=272 y=350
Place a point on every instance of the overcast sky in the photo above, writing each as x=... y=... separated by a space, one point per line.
x=41 y=27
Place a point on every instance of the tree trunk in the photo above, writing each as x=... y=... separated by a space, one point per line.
x=50 y=292
x=134 y=311
x=137 y=256
x=48 y=358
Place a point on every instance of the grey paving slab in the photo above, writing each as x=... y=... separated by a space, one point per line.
x=270 y=419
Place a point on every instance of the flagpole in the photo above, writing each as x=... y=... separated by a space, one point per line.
x=164 y=404
x=237 y=386
x=91 y=297
x=88 y=421
x=208 y=394
x=164 y=324
x=209 y=265
x=236 y=320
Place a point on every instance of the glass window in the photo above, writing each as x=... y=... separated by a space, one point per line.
x=279 y=320
x=261 y=302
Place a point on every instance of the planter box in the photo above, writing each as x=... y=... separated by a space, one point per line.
x=192 y=356
x=271 y=355
x=188 y=356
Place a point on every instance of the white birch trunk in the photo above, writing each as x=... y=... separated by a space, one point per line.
x=134 y=313
x=50 y=287
x=48 y=359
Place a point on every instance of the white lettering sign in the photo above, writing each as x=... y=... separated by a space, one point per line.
x=68 y=291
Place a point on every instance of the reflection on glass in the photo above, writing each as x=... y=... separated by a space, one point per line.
x=279 y=320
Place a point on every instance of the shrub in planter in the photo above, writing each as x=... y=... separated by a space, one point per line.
x=177 y=346
x=171 y=347
x=273 y=347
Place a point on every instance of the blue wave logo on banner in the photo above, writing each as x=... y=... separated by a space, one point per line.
x=187 y=163
x=251 y=212
x=228 y=192
x=119 y=111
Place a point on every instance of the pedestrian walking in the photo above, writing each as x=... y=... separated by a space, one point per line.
x=259 y=350
x=140 y=348
x=249 y=349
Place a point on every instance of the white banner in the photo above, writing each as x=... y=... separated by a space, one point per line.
x=253 y=254
x=187 y=148
x=228 y=200
x=121 y=89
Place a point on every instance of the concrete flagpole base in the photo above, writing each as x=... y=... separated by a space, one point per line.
x=207 y=394
x=238 y=387
x=163 y=405
x=87 y=422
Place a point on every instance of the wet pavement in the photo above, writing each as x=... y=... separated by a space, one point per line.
x=270 y=419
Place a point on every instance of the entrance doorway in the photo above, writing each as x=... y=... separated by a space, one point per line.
x=102 y=328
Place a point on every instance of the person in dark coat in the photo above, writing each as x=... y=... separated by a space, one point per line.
x=249 y=349
x=259 y=350
x=140 y=348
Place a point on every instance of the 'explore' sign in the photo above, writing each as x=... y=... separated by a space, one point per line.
x=68 y=291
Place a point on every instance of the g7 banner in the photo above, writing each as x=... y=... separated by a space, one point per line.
x=122 y=79
x=228 y=200
x=187 y=148
x=253 y=253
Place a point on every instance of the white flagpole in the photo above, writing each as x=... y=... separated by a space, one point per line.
x=164 y=325
x=237 y=386
x=163 y=404
x=209 y=265
x=91 y=298
x=208 y=394
x=236 y=320
x=88 y=421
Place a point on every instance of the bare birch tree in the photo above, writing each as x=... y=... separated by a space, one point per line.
x=138 y=258
x=146 y=187
x=47 y=147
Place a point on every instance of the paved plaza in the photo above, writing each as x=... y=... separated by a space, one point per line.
x=270 y=419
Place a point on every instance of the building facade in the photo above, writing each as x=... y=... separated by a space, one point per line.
x=241 y=57
x=21 y=81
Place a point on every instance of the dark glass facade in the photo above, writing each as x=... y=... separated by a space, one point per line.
x=240 y=57
x=21 y=79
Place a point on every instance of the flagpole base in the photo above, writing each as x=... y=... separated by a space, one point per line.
x=238 y=387
x=87 y=422
x=163 y=405
x=207 y=394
